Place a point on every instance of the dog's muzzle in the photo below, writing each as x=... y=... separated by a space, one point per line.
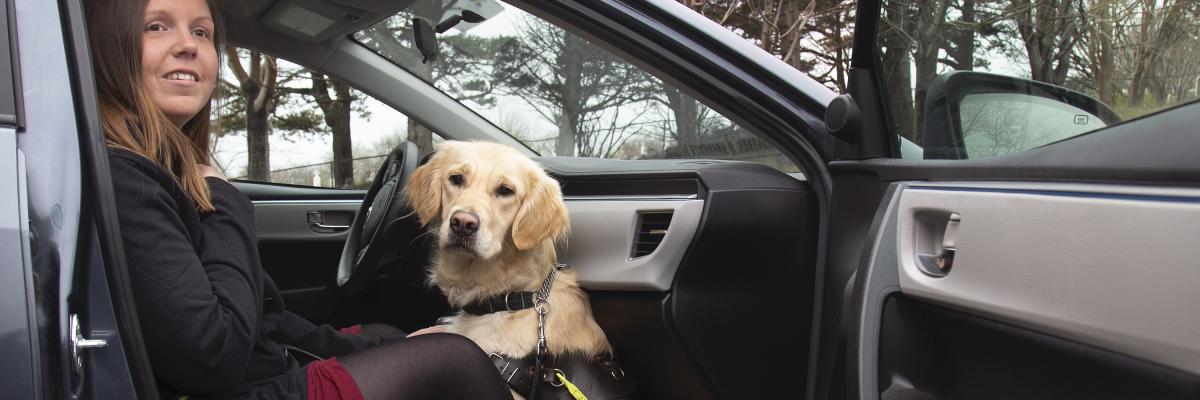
x=464 y=223
x=463 y=226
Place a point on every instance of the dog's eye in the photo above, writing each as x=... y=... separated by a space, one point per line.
x=504 y=191
x=456 y=179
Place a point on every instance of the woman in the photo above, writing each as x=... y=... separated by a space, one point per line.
x=213 y=321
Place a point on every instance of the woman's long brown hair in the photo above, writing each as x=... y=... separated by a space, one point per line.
x=129 y=116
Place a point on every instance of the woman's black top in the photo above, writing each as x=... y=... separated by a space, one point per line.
x=213 y=321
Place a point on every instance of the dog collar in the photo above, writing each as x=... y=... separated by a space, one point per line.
x=511 y=301
x=515 y=301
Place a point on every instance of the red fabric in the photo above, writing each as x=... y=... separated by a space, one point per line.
x=327 y=380
x=353 y=330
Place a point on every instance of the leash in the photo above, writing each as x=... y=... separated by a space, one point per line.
x=541 y=305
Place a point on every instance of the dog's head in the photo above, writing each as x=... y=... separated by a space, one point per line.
x=486 y=198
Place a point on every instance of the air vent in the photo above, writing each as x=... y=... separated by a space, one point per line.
x=651 y=228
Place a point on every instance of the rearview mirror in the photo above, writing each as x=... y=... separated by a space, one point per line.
x=425 y=39
x=976 y=115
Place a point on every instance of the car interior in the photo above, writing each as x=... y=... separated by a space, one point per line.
x=870 y=267
x=677 y=255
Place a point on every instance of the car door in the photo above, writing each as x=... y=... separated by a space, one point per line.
x=1062 y=270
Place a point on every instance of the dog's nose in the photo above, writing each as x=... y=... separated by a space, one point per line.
x=464 y=223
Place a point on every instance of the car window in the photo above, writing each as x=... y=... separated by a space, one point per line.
x=556 y=92
x=1080 y=66
x=302 y=127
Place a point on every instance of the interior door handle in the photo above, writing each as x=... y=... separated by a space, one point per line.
x=939 y=265
x=324 y=221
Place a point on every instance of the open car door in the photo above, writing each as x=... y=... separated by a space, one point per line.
x=1068 y=269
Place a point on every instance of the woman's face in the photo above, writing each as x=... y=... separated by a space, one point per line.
x=179 y=59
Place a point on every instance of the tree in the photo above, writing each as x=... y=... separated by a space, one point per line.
x=277 y=99
x=896 y=43
x=1049 y=31
x=1098 y=64
x=463 y=69
x=688 y=116
x=336 y=108
x=1164 y=23
x=257 y=89
x=813 y=36
x=582 y=89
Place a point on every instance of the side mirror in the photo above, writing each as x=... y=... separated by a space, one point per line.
x=975 y=115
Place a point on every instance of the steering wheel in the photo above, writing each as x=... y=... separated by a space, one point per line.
x=383 y=222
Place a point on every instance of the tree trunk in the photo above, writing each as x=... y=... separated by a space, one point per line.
x=685 y=111
x=258 y=91
x=417 y=133
x=339 y=122
x=1159 y=90
x=961 y=44
x=931 y=17
x=258 y=144
x=336 y=110
x=1100 y=52
x=570 y=62
x=1048 y=29
x=897 y=61
x=564 y=145
x=421 y=136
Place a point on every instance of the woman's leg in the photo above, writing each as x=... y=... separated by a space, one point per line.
x=381 y=330
x=433 y=366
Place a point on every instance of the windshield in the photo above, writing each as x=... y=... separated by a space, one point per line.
x=554 y=91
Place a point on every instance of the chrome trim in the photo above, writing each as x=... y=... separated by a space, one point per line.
x=333 y=227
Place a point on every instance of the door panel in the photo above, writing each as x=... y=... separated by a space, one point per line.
x=1055 y=291
x=1100 y=265
x=292 y=219
x=299 y=255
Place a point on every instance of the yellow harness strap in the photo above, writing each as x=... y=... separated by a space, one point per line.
x=575 y=392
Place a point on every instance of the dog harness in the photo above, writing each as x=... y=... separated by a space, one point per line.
x=569 y=377
x=595 y=378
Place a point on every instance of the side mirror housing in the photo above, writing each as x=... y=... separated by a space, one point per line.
x=973 y=115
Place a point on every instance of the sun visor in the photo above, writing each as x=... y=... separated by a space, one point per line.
x=314 y=20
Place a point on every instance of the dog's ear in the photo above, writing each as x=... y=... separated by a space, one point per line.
x=542 y=214
x=425 y=191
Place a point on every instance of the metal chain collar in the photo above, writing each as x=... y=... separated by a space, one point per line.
x=541 y=305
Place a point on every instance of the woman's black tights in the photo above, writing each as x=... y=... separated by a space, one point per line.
x=431 y=366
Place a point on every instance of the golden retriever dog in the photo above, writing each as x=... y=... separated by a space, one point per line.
x=497 y=216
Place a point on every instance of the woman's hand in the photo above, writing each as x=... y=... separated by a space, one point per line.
x=208 y=170
x=432 y=329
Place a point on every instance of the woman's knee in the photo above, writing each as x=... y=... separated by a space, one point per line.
x=449 y=342
x=453 y=349
x=380 y=330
